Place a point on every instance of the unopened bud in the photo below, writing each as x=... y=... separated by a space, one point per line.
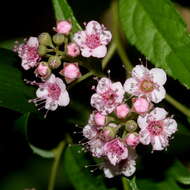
x=54 y=62
x=141 y=105
x=73 y=50
x=132 y=139
x=131 y=126
x=43 y=70
x=63 y=27
x=58 y=39
x=122 y=111
x=45 y=39
x=99 y=119
x=42 y=50
x=108 y=133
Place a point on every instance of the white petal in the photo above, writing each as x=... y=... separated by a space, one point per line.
x=93 y=27
x=104 y=85
x=51 y=105
x=131 y=86
x=42 y=92
x=158 y=113
x=33 y=42
x=171 y=126
x=51 y=79
x=130 y=168
x=89 y=132
x=86 y=52
x=25 y=65
x=157 y=95
x=108 y=173
x=105 y=37
x=64 y=99
x=139 y=71
x=118 y=88
x=142 y=121
x=60 y=83
x=99 y=52
x=80 y=38
x=144 y=137
x=159 y=76
x=156 y=143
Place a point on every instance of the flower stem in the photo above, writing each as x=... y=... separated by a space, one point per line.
x=117 y=39
x=58 y=151
x=109 y=55
x=125 y=183
x=178 y=105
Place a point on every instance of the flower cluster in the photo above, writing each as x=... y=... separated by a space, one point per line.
x=55 y=60
x=119 y=124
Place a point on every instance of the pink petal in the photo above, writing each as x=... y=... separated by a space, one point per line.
x=64 y=99
x=144 y=137
x=157 y=95
x=52 y=79
x=99 y=52
x=159 y=76
x=93 y=27
x=131 y=86
x=139 y=71
x=60 y=83
x=158 y=114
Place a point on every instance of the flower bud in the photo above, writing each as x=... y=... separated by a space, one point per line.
x=130 y=126
x=54 y=62
x=45 y=39
x=73 y=50
x=70 y=71
x=99 y=119
x=43 y=70
x=63 y=27
x=122 y=111
x=58 y=39
x=42 y=50
x=132 y=139
x=141 y=105
x=108 y=133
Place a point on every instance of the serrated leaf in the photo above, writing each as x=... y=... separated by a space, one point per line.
x=157 y=30
x=14 y=93
x=64 y=12
x=80 y=177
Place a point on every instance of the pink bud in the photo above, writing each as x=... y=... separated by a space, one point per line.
x=122 y=111
x=63 y=27
x=42 y=70
x=70 y=72
x=73 y=50
x=132 y=139
x=99 y=119
x=141 y=105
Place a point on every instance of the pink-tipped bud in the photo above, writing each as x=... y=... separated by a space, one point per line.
x=122 y=111
x=132 y=139
x=108 y=133
x=99 y=119
x=73 y=50
x=43 y=70
x=141 y=105
x=63 y=27
x=70 y=71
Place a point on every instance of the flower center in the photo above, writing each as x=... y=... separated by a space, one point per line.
x=147 y=86
x=155 y=128
x=31 y=52
x=54 y=91
x=115 y=148
x=93 y=41
x=109 y=97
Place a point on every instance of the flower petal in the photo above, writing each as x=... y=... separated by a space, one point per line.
x=64 y=99
x=100 y=51
x=61 y=84
x=93 y=27
x=33 y=42
x=104 y=85
x=144 y=137
x=42 y=92
x=158 y=114
x=131 y=86
x=51 y=79
x=80 y=38
x=156 y=143
x=129 y=168
x=108 y=173
x=171 y=126
x=105 y=37
x=86 y=52
x=142 y=121
x=51 y=105
x=157 y=95
x=118 y=88
x=159 y=76
x=139 y=71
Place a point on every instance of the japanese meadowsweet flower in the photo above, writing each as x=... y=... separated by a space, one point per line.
x=93 y=40
x=108 y=96
x=115 y=150
x=127 y=167
x=53 y=93
x=28 y=53
x=148 y=83
x=156 y=128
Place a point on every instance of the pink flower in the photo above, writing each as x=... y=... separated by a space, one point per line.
x=126 y=167
x=132 y=139
x=93 y=40
x=63 y=27
x=28 y=52
x=148 y=83
x=141 y=105
x=70 y=71
x=108 y=96
x=73 y=50
x=53 y=93
x=115 y=151
x=156 y=128
x=122 y=111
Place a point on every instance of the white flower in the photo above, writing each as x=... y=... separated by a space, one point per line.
x=156 y=128
x=108 y=96
x=148 y=83
x=93 y=40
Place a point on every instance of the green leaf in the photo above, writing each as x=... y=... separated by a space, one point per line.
x=9 y=44
x=81 y=178
x=157 y=30
x=133 y=184
x=14 y=93
x=64 y=12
